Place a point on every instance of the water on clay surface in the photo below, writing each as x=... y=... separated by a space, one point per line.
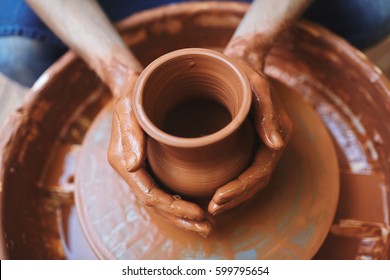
x=196 y=118
x=74 y=243
x=60 y=172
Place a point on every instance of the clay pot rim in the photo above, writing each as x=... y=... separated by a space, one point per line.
x=159 y=135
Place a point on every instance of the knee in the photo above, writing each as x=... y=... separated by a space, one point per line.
x=24 y=60
x=362 y=22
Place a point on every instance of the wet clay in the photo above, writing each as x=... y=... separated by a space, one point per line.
x=308 y=59
x=210 y=150
x=57 y=193
x=250 y=52
x=286 y=220
x=260 y=28
x=32 y=231
x=361 y=220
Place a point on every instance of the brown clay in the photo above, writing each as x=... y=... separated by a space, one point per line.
x=274 y=128
x=245 y=48
x=308 y=59
x=260 y=28
x=190 y=154
x=289 y=219
x=106 y=53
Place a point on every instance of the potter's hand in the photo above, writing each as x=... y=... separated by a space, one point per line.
x=126 y=155
x=104 y=51
x=273 y=127
x=252 y=40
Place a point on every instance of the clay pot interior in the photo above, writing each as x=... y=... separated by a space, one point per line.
x=193 y=103
x=198 y=86
x=38 y=219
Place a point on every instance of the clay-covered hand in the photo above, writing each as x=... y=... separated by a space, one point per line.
x=126 y=155
x=273 y=127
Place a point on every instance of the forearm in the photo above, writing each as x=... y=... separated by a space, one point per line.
x=84 y=27
x=262 y=23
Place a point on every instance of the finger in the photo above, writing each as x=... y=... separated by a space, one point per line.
x=252 y=180
x=216 y=209
x=204 y=228
x=187 y=210
x=154 y=197
x=145 y=187
x=151 y=195
x=115 y=148
x=285 y=121
x=132 y=135
x=255 y=175
x=177 y=207
x=228 y=192
x=265 y=116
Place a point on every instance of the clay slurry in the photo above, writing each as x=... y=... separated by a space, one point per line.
x=196 y=118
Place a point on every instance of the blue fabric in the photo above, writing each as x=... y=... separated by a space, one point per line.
x=16 y=17
x=23 y=59
x=362 y=22
x=28 y=47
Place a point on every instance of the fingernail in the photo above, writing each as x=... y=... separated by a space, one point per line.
x=131 y=162
x=214 y=209
x=206 y=230
x=216 y=212
x=277 y=141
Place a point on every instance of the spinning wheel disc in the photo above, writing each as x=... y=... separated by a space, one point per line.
x=288 y=220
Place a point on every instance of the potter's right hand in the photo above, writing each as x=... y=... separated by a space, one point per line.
x=248 y=47
x=274 y=129
x=126 y=155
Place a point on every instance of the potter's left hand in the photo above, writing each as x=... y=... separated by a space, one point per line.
x=126 y=155
x=273 y=127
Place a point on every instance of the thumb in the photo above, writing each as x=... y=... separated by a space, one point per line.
x=132 y=135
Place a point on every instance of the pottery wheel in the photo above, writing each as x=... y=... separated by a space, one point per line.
x=288 y=220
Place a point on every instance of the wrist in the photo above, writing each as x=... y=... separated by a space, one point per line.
x=250 y=49
x=120 y=77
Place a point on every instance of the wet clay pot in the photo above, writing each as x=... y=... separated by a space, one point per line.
x=347 y=93
x=193 y=104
